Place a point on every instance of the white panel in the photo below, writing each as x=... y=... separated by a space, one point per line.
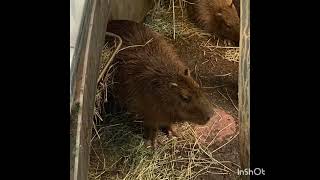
x=76 y=11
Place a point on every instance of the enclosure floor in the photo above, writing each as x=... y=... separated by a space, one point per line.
x=221 y=78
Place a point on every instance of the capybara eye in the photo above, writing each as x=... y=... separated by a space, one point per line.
x=186 y=98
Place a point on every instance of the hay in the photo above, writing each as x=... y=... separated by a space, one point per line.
x=120 y=153
x=161 y=20
x=174 y=23
x=104 y=81
x=137 y=45
x=232 y=55
x=231 y=100
x=106 y=53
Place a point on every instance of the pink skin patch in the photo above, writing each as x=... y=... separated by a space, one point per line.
x=220 y=128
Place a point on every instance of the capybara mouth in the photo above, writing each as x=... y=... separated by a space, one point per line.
x=199 y=122
x=203 y=122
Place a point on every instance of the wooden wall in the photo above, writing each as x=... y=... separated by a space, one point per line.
x=134 y=10
x=86 y=73
x=244 y=85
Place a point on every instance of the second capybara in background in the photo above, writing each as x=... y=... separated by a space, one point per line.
x=219 y=17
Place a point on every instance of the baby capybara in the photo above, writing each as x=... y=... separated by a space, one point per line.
x=151 y=81
x=216 y=16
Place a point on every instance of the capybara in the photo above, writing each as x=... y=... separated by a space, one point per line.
x=219 y=17
x=151 y=81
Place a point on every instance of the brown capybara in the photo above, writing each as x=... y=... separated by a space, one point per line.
x=219 y=17
x=237 y=5
x=151 y=81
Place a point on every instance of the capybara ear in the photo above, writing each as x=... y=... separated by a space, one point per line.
x=187 y=72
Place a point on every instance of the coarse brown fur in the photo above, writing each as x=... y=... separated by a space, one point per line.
x=152 y=81
x=237 y=5
x=216 y=16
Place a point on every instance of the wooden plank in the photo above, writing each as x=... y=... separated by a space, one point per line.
x=134 y=10
x=244 y=86
x=85 y=89
x=77 y=56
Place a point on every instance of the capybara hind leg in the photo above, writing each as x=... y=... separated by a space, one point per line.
x=165 y=130
x=171 y=132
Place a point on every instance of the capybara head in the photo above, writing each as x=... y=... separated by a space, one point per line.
x=227 y=22
x=189 y=101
